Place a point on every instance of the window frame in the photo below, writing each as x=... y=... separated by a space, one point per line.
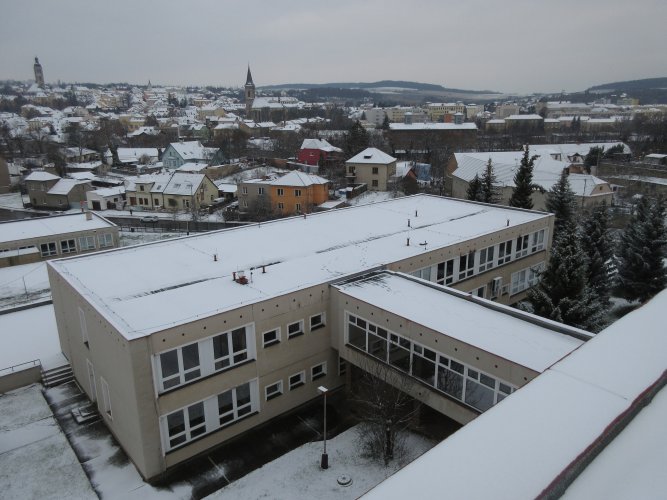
x=298 y=383
x=321 y=371
x=105 y=240
x=48 y=249
x=277 y=393
x=106 y=398
x=297 y=333
x=84 y=243
x=273 y=342
x=319 y=325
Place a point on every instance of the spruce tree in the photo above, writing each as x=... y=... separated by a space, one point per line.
x=385 y=122
x=562 y=293
x=523 y=182
x=597 y=244
x=356 y=139
x=474 y=192
x=488 y=191
x=560 y=202
x=639 y=257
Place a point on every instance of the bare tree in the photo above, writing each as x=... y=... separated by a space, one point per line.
x=381 y=396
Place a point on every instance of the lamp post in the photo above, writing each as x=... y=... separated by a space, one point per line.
x=324 y=464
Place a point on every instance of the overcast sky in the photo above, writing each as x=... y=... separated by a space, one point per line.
x=505 y=45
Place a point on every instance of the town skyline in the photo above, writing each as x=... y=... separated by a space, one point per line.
x=524 y=48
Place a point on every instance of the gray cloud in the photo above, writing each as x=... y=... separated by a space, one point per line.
x=513 y=45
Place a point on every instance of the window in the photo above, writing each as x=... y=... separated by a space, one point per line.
x=281 y=206
x=84 y=326
x=466 y=265
x=179 y=366
x=106 y=399
x=244 y=190
x=141 y=188
x=424 y=273
x=186 y=424
x=105 y=240
x=351 y=170
x=297 y=192
x=295 y=329
x=274 y=390
x=297 y=207
x=525 y=278
x=260 y=190
x=375 y=171
x=67 y=246
x=486 y=257
x=316 y=321
x=86 y=243
x=537 y=241
x=445 y=274
x=374 y=183
x=48 y=249
x=479 y=391
x=521 y=246
x=156 y=202
x=271 y=337
x=234 y=404
x=297 y=380
x=281 y=192
x=229 y=349
x=504 y=252
x=318 y=371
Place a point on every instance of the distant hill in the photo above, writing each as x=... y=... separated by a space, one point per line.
x=630 y=85
x=382 y=84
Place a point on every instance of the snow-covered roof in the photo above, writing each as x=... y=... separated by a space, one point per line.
x=533 y=436
x=433 y=126
x=372 y=155
x=322 y=247
x=41 y=176
x=183 y=184
x=524 y=117
x=485 y=325
x=192 y=150
x=47 y=226
x=111 y=191
x=64 y=186
x=296 y=178
x=546 y=170
x=192 y=167
x=320 y=144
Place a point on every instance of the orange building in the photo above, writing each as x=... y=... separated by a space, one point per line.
x=297 y=193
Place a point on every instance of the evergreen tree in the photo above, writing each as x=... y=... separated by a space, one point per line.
x=488 y=191
x=523 y=182
x=562 y=293
x=385 y=122
x=474 y=192
x=592 y=157
x=356 y=139
x=639 y=258
x=597 y=244
x=560 y=202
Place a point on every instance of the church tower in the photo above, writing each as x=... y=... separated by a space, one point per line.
x=39 y=74
x=249 y=94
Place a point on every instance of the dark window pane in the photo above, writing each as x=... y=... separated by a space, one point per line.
x=175 y=423
x=457 y=367
x=357 y=337
x=171 y=382
x=190 y=356
x=243 y=394
x=177 y=440
x=169 y=363
x=450 y=382
x=220 y=346
x=487 y=381
x=191 y=375
x=423 y=369
x=399 y=357
x=225 y=403
x=377 y=347
x=238 y=340
x=240 y=357
x=361 y=323
x=196 y=414
x=478 y=396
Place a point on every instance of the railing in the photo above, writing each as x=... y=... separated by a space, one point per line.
x=12 y=369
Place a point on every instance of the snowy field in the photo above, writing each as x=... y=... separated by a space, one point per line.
x=12 y=201
x=23 y=284
x=36 y=460
x=27 y=335
x=297 y=474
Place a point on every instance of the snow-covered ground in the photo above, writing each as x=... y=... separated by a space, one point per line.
x=36 y=461
x=28 y=335
x=23 y=284
x=297 y=474
x=12 y=201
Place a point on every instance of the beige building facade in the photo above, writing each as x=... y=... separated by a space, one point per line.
x=179 y=362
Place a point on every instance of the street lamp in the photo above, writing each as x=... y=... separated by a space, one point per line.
x=324 y=464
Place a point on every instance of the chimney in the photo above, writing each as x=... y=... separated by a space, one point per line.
x=89 y=216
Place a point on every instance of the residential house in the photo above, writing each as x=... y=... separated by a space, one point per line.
x=318 y=152
x=178 y=153
x=112 y=198
x=175 y=191
x=298 y=193
x=371 y=167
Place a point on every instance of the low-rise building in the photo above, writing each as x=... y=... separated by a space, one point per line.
x=175 y=191
x=178 y=153
x=372 y=167
x=318 y=152
x=31 y=240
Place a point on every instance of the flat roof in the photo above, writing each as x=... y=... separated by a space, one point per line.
x=39 y=227
x=517 y=337
x=529 y=439
x=147 y=288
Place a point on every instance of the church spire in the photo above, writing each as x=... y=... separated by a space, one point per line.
x=248 y=80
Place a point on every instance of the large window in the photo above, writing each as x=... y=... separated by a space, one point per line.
x=525 y=278
x=199 y=359
x=486 y=258
x=48 y=249
x=221 y=410
x=521 y=246
x=505 y=252
x=446 y=272
x=86 y=243
x=537 y=241
x=458 y=380
x=105 y=240
x=281 y=192
x=67 y=246
x=466 y=265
